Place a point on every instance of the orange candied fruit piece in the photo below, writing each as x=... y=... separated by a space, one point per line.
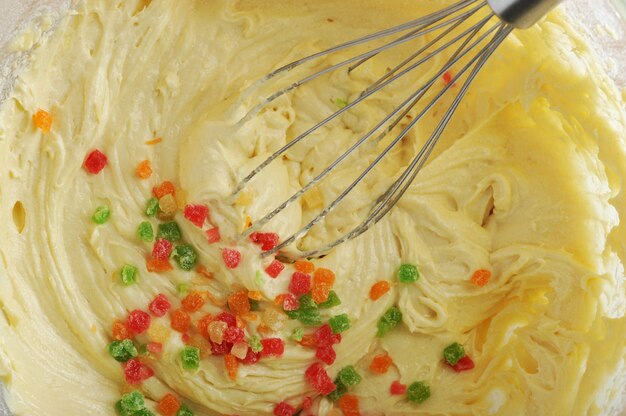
x=193 y=302
x=323 y=281
x=166 y=188
x=203 y=323
x=157 y=265
x=168 y=405
x=204 y=272
x=255 y=295
x=481 y=277
x=144 y=170
x=156 y=140
x=279 y=299
x=239 y=303
x=43 y=120
x=379 y=289
x=308 y=340
x=180 y=321
x=381 y=363
x=304 y=266
x=232 y=365
x=120 y=331
x=349 y=405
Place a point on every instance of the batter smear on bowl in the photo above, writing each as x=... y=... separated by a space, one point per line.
x=495 y=286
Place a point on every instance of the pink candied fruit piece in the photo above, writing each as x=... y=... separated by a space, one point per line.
x=160 y=305
x=251 y=357
x=196 y=214
x=162 y=249
x=291 y=302
x=324 y=335
x=307 y=403
x=213 y=235
x=318 y=378
x=284 y=409
x=135 y=372
x=231 y=257
x=138 y=321
x=95 y=162
x=221 y=349
x=233 y=334
x=397 y=388
x=300 y=283
x=272 y=347
x=227 y=317
x=464 y=364
x=326 y=354
x=274 y=269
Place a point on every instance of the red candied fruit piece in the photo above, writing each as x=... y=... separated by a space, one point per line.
x=229 y=318
x=272 y=347
x=154 y=347
x=185 y=338
x=193 y=302
x=221 y=349
x=274 y=269
x=291 y=302
x=447 y=77
x=326 y=353
x=157 y=265
x=168 y=405
x=307 y=403
x=231 y=257
x=284 y=409
x=138 y=321
x=160 y=305
x=233 y=334
x=135 y=372
x=166 y=188
x=397 y=388
x=120 y=331
x=324 y=335
x=180 y=321
x=463 y=364
x=95 y=162
x=300 y=283
x=267 y=240
x=213 y=235
x=251 y=357
x=162 y=249
x=196 y=214
x=318 y=378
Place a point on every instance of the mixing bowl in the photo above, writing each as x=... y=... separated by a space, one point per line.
x=602 y=22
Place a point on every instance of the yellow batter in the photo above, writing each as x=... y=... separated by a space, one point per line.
x=539 y=138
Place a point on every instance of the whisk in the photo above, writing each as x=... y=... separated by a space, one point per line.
x=471 y=29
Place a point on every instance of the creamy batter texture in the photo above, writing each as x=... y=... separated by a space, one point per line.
x=526 y=182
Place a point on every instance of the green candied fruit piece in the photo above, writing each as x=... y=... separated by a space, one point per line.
x=388 y=321
x=418 y=392
x=182 y=289
x=332 y=301
x=152 y=207
x=123 y=350
x=255 y=305
x=408 y=273
x=184 y=411
x=129 y=274
x=297 y=334
x=143 y=412
x=170 y=231
x=101 y=214
x=255 y=343
x=145 y=232
x=453 y=353
x=185 y=256
x=309 y=317
x=190 y=358
x=307 y=302
x=143 y=350
x=119 y=410
x=132 y=402
x=339 y=323
x=341 y=102
x=349 y=376
x=340 y=390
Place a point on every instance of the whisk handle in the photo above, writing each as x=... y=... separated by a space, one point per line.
x=522 y=13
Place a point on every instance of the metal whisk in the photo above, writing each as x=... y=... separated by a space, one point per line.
x=474 y=27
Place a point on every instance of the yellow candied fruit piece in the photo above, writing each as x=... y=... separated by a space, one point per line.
x=273 y=319
x=181 y=198
x=43 y=120
x=313 y=198
x=158 y=333
x=167 y=204
x=244 y=198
